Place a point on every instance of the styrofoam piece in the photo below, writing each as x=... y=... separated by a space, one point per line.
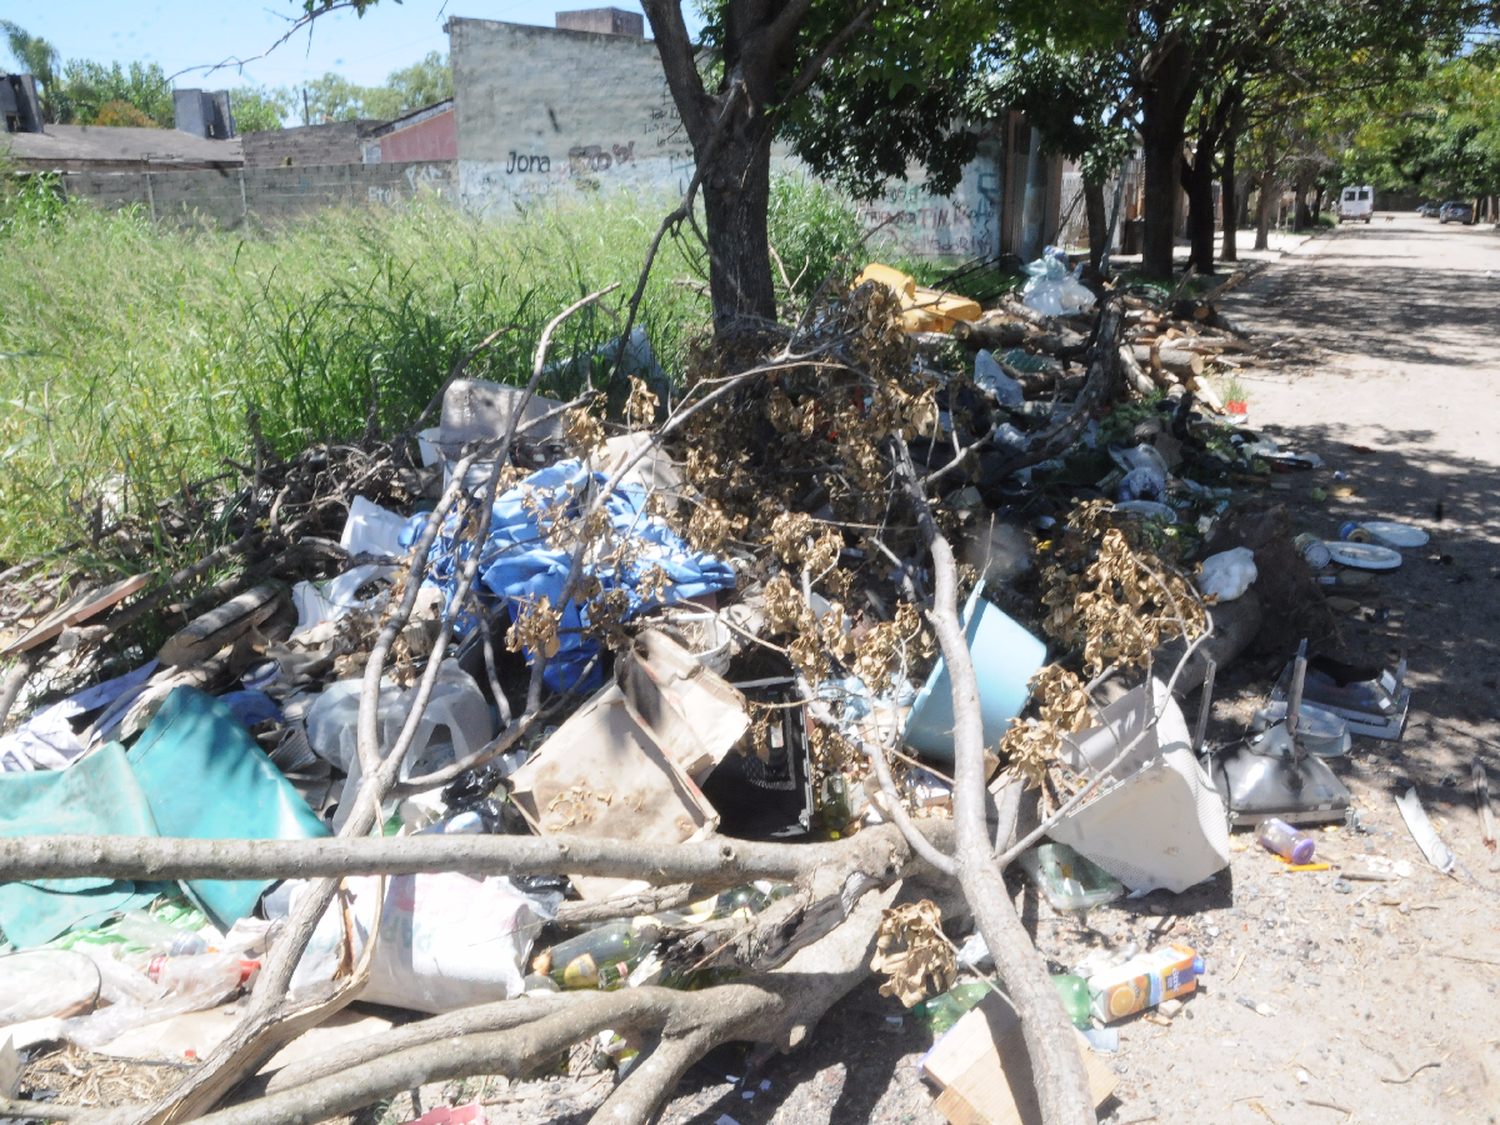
x=1163 y=824
x=1006 y=657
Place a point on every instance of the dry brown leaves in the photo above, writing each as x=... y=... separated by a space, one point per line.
x=913 y=954
x=1109 y=595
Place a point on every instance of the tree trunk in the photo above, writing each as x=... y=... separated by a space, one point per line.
x=1198 y=181
x=1301 y=217
x=1165 y=101
x=1263 y=211
x=1229 y=251
x=736 y=198
x=1093 y=205
x=1317 y=207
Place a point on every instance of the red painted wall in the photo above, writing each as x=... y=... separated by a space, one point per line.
x=433 y=139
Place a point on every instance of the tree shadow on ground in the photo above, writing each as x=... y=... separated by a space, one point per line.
x=1410 y=316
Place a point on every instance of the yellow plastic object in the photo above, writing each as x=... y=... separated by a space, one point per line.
x=925 y=320
x=950 y=305
x=904 y=285
x=923 y=309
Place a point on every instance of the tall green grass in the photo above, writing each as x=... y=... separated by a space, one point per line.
x=131 y=354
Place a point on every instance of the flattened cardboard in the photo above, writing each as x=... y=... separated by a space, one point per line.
x=603 y=775
x=694 y=714
x=983 y=1069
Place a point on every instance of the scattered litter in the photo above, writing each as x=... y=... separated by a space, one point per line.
x=983 y=1071
x=1423 y=833
x=1228 y=574
x=1144 y=982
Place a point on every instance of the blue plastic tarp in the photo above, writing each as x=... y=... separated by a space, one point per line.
x=519 y=564
x=97 y=796
x=204 y=777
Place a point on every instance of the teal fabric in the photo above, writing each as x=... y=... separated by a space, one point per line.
x=204 y=777
x=97 y=796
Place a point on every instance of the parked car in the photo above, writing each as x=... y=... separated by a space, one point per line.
x=1456 y=211
x=1430 y=209
x=1356 y=204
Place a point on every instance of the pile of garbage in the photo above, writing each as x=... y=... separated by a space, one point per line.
x=671 y=623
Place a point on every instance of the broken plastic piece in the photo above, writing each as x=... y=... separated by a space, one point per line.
x=1422 y=831
x=1006 y=657
x=1070 y=881
x=1160 y=823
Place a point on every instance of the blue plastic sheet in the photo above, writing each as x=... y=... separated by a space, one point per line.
x=97 y=796
x=205 y=778
x=518 y=563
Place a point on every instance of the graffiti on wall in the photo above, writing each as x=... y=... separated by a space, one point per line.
x=909 y=222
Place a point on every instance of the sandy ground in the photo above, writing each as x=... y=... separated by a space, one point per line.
x=1318 y=1006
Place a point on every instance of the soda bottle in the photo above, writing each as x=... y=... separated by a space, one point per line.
x=160 y=937
x=942 y=1012
x=1074 y=991
x=1281 y=838
x=601 y=958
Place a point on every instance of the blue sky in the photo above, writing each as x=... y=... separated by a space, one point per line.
x=180 y=34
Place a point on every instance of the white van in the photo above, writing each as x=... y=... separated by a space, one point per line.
x=1357 y=203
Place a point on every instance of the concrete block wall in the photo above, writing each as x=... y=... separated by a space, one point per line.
x=340 y=142
x=547 y=113
x=231 y=197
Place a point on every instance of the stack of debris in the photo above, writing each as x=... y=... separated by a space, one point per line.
x=623 y=637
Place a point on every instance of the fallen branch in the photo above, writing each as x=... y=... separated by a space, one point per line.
x=709 y=863
x=1058 y=1073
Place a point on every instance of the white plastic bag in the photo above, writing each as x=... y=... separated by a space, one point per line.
x=1052 y=291
x=990 y=376
x=446 y=940
x=1228 y=574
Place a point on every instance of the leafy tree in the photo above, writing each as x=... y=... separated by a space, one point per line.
x=86 y=86
x=258 y=108
x=38 y=58
x=333 y=98
x=122 y=113
x=424 y=82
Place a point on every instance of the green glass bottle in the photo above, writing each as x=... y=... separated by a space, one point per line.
x=601 y=958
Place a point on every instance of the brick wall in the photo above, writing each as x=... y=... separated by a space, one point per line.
x=228 y=198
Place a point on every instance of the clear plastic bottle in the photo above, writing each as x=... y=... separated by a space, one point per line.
x=206 y=974
x=1281 y=838
x=159 y=936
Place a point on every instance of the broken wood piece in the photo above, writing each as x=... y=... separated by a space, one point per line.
x=1482 y=803
x=207 y=634
x=985 y=1074
x=78 y=608
x=991 y=334
x=1185 y=363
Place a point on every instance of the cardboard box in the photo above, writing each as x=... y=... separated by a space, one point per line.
x=983 y=1069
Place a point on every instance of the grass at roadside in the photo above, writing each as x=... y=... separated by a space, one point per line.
x=132 y=355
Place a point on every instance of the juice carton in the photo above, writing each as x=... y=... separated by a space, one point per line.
x=1144 y=982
